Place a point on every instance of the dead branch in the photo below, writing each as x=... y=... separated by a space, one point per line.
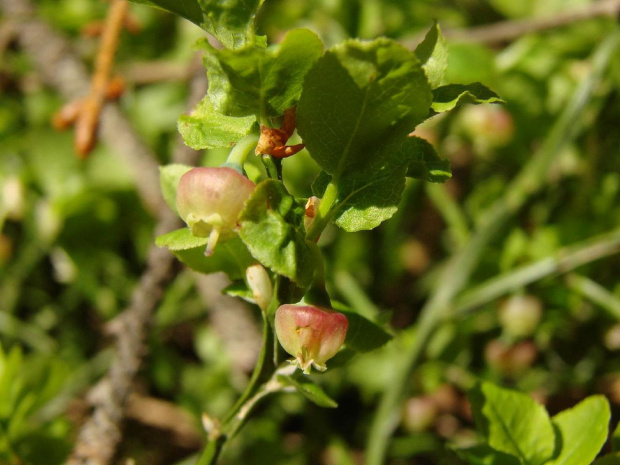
x=63 y=70
x=88 y=120
x=101 y=434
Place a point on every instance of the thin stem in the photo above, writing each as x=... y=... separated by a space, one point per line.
x=450 y=211
x=461 y=265
x=88 y=118
x=272 y=169
x=233 y=421
x=323 y=213
x=596 y=293
x=317 y=293
x=563 y=261
x=240 y=151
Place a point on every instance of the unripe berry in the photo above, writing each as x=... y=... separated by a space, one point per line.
x=311 y=334
x=209 y=200
x=520 y=315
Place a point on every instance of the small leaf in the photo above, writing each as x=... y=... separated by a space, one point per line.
x=582 y=431
x=309 y=390
x=232 y=257
x=239 y=289
x=423 y=162
x=446 y=98
x=261 y=81
x=180 y=239
x=205 y=128
x=230 y=21
x=359 y=97
x=271 y=227
x=433 y=54
x=169 y=177
x=512 y=422
x=188 y=9
x=484 y=455
x=365 y=201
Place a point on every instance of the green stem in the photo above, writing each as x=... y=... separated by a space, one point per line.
x=317 y=293
x=563 y=261
x=240 y=151
x=234 y=421
x=323 y=213
x=461 y=265
x=596 y=293
x=450 y=211
x=271 y=167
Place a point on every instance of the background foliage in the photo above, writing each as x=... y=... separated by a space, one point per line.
x=74 y=236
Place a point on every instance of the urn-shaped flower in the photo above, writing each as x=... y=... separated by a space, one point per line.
x=311 y=334
x=209 y=200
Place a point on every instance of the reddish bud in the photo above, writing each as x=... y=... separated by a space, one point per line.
x=209 y=200
x=312 y=335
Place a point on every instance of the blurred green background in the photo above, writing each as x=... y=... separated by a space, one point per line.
x=74 y=236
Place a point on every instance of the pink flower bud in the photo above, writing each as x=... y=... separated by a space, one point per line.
x=209 y=200
x=312 y=335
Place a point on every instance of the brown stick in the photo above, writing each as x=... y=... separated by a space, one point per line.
x=88 y=118
x=100 y=435
x=63 y=70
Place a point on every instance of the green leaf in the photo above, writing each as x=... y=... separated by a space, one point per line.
x=169 y=177
x=445 y=98
x=365 y=201
x=363 y=335
x=582 y=431
x=609 y=459
x=359 y=97
x=239 y=289
x=261 y=81
x=433 y=54
x=484 y=455
x=231 y=256
x=205 y=128
x=188 y=9
x=180 y=239
x=272 y=228
x=308 y=389
x=512 y=422
x=423 y=162
x=230 y=21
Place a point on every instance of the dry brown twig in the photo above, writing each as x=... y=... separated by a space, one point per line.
x=59 y=66
x=57 y=63
x=85 y=112
x=101 y=434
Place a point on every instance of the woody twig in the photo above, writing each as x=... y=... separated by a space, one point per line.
x=85 y=113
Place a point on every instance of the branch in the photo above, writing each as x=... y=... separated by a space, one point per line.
x=507 y=31
x=100 y=436
x=88 y=119
x=65 y=72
